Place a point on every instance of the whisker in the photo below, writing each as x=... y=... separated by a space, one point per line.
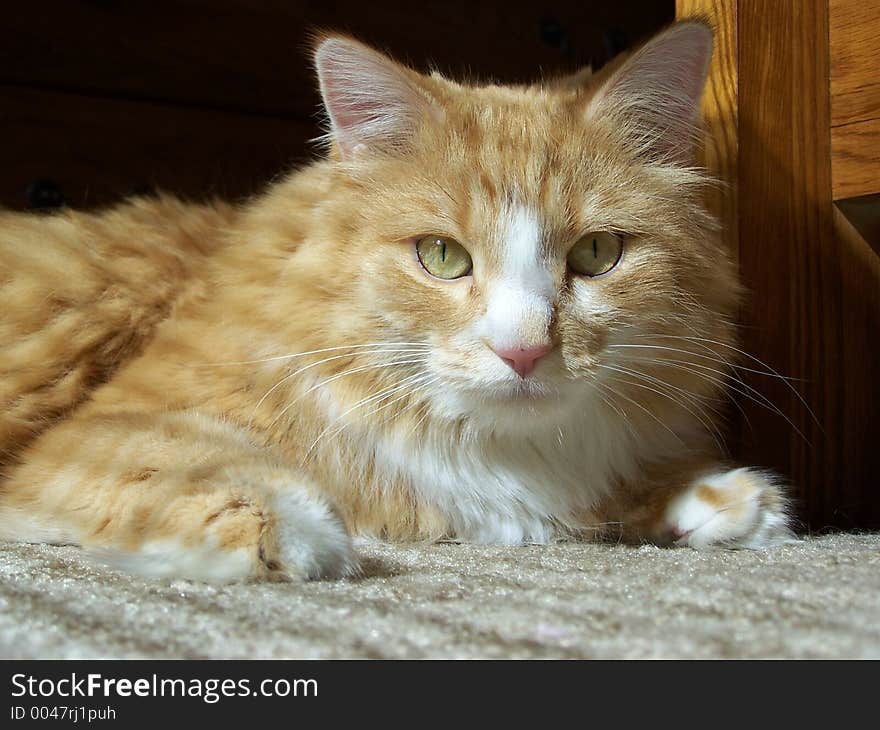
x=410 y=385
x=717 y=359
x=425 y=345
x=758 y=397
x=414 y=388
x=362 y=402
x=289 y=376
x=427 y=408
x=622 y=414
x=687 y=366
x=418 y=386
x=652 y=415
x=771 y=373
x=722 y=384
x=344 y=373
x=713 y=431
x=691 y=397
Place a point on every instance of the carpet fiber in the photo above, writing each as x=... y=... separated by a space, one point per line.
x=817 y=598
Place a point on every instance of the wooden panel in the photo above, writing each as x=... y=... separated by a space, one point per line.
x=813 y=314
x=855 y=49
x=856 y=496
x=719 y=109
x=856 y=159
x=241 y=54
x=100 y=149
x=787 y=254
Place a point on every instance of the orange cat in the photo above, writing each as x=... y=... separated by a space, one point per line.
x=494 y=314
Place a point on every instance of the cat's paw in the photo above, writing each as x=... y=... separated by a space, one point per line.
x=305 y=539
x=740 y=508
x=241 y=534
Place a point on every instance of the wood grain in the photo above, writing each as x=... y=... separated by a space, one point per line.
x=787 y=252
x=855 y=141
x=855 y=163
x=719 y=108
x=100 y=150
x=854 y=34
x=813 y=314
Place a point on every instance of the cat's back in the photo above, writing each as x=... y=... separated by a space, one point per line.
x=80 y=293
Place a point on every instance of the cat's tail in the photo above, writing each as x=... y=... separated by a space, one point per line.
x=81 y=293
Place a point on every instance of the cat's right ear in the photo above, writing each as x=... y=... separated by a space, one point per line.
x=372 y=103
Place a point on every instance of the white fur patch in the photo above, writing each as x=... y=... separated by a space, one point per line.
x=520 y=297
x=742 y=521
x=519 y=484
x=520 y=235
x=312 y=542
x=172 y=559
x=17 y=526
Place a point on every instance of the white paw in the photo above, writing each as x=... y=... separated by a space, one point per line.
x=738 y=508
x=308 y=540
x=169 y=558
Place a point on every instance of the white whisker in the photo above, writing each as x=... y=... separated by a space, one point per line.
x=289 y=376
x=771 y=374
x=344 y=373
x=410 y=385
x=617 y=410
x=751 y=393
x=688 y=367
x=640 y=406
x=713 y=431
x=425 y=345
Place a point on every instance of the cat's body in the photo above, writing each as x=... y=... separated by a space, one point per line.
x=226 y=392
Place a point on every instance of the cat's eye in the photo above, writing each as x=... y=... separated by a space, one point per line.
x=596 y=253
x=443 y=257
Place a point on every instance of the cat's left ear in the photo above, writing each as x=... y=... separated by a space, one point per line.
x=373 y=103
x=655 y=95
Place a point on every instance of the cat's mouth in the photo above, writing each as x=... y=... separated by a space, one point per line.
x=531 y=390
x=513 y=405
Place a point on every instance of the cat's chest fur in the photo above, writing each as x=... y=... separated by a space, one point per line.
x=504 y=487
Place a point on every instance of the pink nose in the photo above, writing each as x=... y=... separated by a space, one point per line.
x=522 y=359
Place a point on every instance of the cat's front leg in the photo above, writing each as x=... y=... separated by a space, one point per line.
x=702 y=507
x=174 y=495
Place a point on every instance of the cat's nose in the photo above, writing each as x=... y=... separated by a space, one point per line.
x=522 y=359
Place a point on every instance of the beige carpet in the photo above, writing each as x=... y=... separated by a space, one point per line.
x=818 y=598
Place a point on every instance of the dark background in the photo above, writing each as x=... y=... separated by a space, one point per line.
x=100 y=99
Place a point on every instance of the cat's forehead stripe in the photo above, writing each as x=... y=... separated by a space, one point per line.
x=520 y=292
x=520 y=238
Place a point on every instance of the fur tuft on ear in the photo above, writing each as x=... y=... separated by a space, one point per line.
x=373 y=103
x=655 y=94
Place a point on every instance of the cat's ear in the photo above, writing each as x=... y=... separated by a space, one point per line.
x=655 y=94
x=373 y=103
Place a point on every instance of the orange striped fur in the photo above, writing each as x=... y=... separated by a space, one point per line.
x=225 y=392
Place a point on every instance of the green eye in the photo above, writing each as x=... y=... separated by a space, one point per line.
x=596 y=253
x=445 y=258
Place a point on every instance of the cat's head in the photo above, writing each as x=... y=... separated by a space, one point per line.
x=524 y=234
